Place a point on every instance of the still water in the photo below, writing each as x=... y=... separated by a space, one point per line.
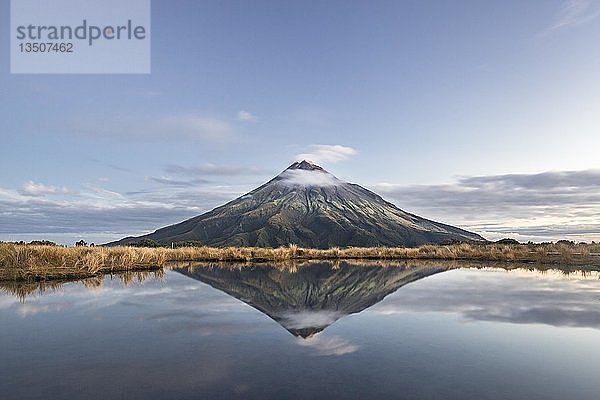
x=316 y=331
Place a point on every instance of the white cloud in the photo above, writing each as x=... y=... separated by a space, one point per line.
x=327 y=153
x=301 y=177
x=92 y=212
x=246 y=116
x=538 y=207
x=31 y=188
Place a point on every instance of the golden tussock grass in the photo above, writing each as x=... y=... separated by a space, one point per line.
x=39 y=262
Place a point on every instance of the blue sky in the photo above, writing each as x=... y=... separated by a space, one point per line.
x=481 y=114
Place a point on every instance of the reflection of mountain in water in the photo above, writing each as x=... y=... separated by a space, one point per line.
x=308 y=300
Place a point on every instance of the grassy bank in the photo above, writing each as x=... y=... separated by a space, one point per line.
x=21 y=262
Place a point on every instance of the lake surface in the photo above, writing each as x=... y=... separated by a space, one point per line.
x=318 y=331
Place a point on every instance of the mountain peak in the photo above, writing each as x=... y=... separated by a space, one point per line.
x=305 y=165
x=305 y=174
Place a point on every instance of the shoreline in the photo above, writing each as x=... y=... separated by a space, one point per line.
x=31 y=263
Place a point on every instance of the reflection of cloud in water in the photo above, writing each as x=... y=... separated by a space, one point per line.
x=27 y=309
x=176 y=308
x=7 y=302
x=328 y=345
x=521 y=297
x=309 y=319
x=209 y=327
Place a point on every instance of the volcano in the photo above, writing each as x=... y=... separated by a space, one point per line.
x=307 y=206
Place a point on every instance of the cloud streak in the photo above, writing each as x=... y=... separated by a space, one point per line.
x=164 y=180
x=576 y=12
x=98 y=210
x=212 y=169
x=167 y=127
x=573 y=13
x=188 y=177
x=33 y=189
x=544 y=206
x=325 y=153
